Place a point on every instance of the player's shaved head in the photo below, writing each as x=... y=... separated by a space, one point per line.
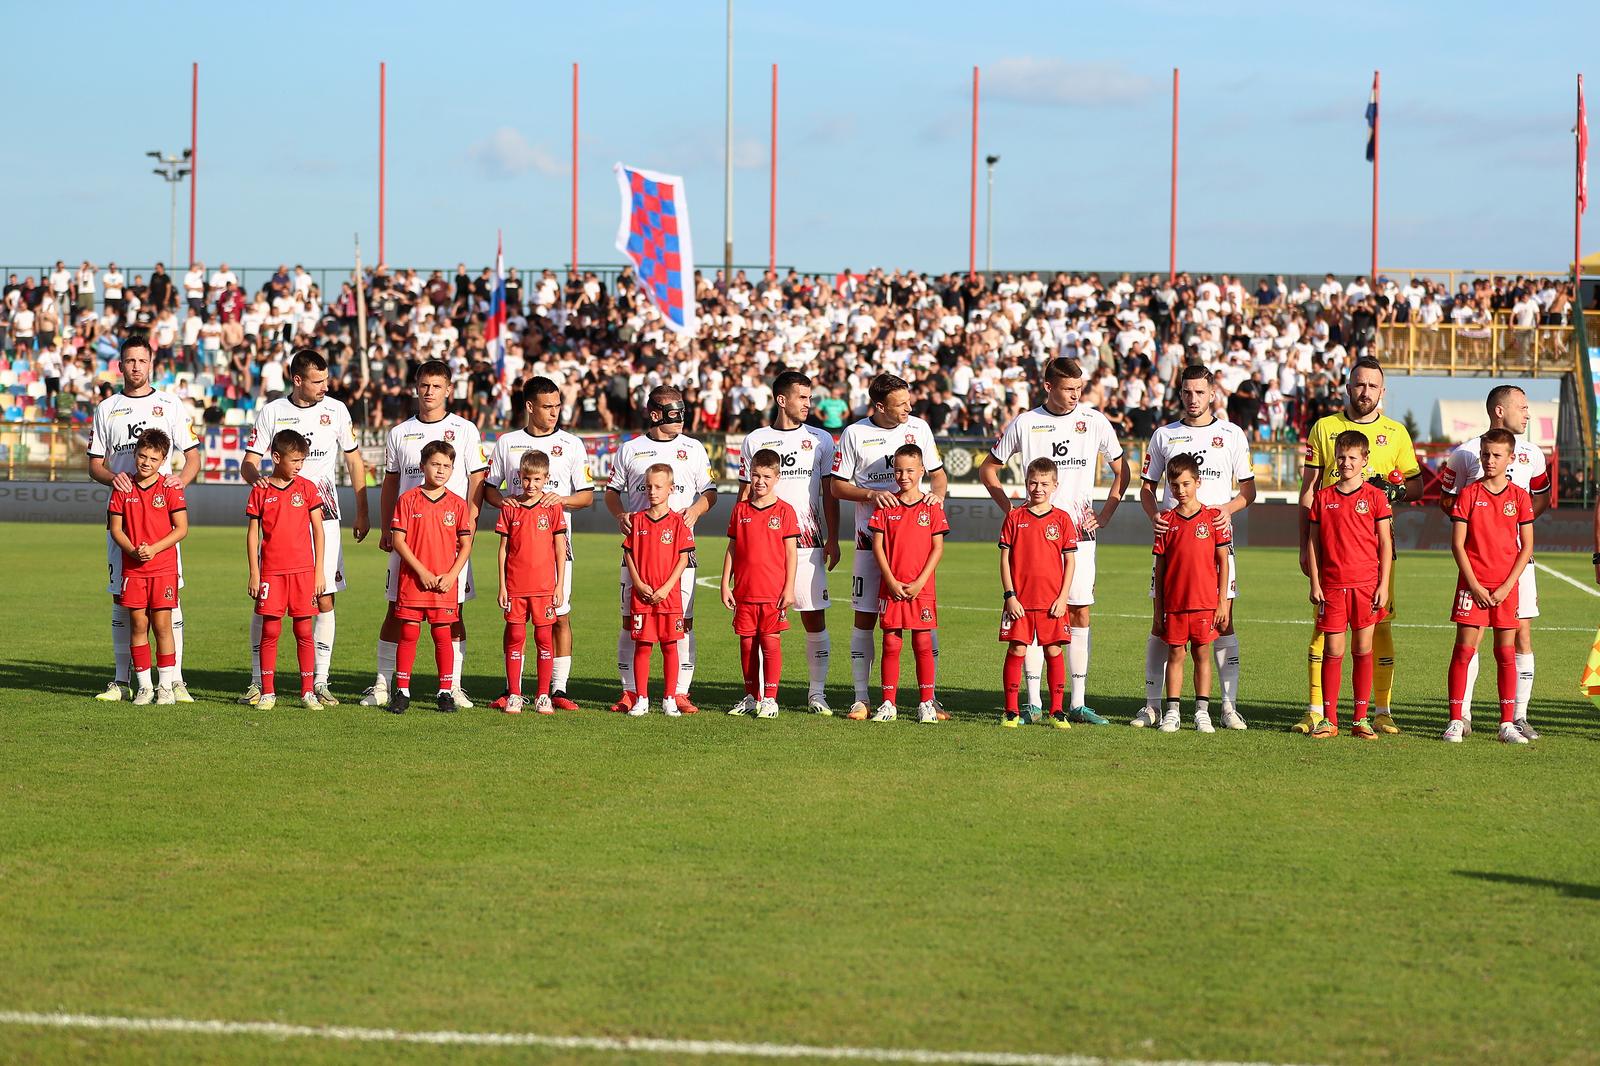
x=1500 y=396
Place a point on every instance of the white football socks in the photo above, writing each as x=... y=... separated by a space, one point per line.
x=560 y=670
x=1226 y=650
x=818 y=650
x=625 y=657
x=322 y=632
x=1078 y=662
x=388 y=652
x=1472 y=684
x=1524 y=684
x=255 y=648
x=121 y=641
x=177 y=641
x=1155 y=671
x=1032 y=667
x=686 y=648
x=458 y=654
x=861 y=661
x=167 y=676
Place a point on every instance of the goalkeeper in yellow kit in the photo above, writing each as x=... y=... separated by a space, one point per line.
x=1392 y=466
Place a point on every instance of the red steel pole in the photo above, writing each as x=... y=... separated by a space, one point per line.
x=1377 y=119
x=383 y=148
x=1577 y=201
x=972 y=215
x=772 y=190
x=1172 y=224
x=574 y=168
x=194 y=149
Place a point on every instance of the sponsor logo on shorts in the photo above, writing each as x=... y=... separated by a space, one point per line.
x=927 y=614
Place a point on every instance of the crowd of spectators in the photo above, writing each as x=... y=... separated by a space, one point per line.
x=971 y=346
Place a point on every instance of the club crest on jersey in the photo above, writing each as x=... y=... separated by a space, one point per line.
x=1362 y=507
x=155 y=411
x=1203 y=531
x=326 y=419
x=544 y=522
x=1383 y=438
x=1510 y=509
x=774 y=523
x=1216 y=442
x=450 y=435
x=449 y=518
x=1522 y=457
x=555 y=450
x=297 y=500
x=158 y=500
x=806 y=445
x=1080 y=427
x=666 y=536
x=924 y=519
x=683 y=453
x=1052 y=532
x=911 y=438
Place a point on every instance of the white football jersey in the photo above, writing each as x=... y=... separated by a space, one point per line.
x=807 y=455
x=691 y=470
x=569 y=461
x=1464 y=465
x=326 y=424
x=865 y=458
x=402 y=454
x=120 y=418
x=1074 y=441
x=1221 y=448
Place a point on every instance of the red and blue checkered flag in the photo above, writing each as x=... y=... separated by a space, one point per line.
x=654 y=235
x=494 y=330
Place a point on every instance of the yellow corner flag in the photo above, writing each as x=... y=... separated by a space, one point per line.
x=1589 y=684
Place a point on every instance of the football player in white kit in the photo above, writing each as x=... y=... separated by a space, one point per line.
x=118 y=421
x=325 y=422
x=571 y=485
x=693 y=493
x=807 y=455
x=863 y=473
x=402 y=471
x=1508 y=410
x=1222 y=451
x=1076 y=437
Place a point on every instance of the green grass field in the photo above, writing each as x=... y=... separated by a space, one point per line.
x=1104 y=892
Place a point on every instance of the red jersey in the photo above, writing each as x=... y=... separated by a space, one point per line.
x=286 y=515
x=146 y=518
x=655 y=545
x=1039 y=545
x=530 y=534
x=433 y=530
x=1189 y=545
x=1494 y=528
x=1346 y=527
x=759 y=538
x=908 y=530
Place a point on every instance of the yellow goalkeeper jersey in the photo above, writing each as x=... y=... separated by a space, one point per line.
x=1389 y=443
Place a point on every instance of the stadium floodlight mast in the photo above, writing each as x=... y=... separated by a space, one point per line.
x=173 y=170
x=988 y=220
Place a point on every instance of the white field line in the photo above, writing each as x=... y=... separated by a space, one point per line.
x=630 y=1044
x=1278 y=621
x=1574 y=582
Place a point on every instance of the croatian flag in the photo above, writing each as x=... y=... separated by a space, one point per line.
x=1372 y=120
x=494 y=330
x=654 y=235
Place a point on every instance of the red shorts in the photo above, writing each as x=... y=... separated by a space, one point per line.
x=1189 y=627
x=1348 y=609
x=1466 y=612
x=158 y=592
x=1035 y=625
x=432 y=614
x=655 y=628
x=294 y=595
x=759 y=619
x=920 y=613
x=540 y=610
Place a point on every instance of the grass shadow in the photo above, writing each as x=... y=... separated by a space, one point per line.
x=1566 y=888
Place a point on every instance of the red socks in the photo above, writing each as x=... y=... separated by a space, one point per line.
x=1460 y=658
x=444 y=657
x=750 y=663
x=1361 y=683
x=406 y=655
x=515 y=639
x=1055 y=669
x=889 y=669
x=1505 y=669
x=771 y=664
x=305 y=651
x=270 y=628
x=1011 y=675
x=922 y=649
x=544 y=639
x=141 y=655
x=1332 y=675
x=641 y=670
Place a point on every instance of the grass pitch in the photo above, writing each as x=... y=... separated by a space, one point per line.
x=1101 y=891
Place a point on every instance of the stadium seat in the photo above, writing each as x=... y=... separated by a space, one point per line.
x=27 y=377
x=234 y=416
x=8 y=378
x=36 y=388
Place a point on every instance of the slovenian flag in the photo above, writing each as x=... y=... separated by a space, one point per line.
x=1372 y=121
x=654 y=235
x=494 y=330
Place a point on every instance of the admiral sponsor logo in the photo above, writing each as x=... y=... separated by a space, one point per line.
x=411 y=436
x=872 y=442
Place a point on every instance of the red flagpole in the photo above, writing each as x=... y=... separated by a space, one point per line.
x=1172 y=225
x=194 y=150
x=1377 y=120
x=1578 y=204
x=972 y=217
x=772 y=190
x=574 y=168
x=383 y=148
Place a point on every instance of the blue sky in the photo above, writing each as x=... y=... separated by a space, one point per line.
x=873 y=140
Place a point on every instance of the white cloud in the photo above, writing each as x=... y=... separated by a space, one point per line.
x=506 y=153
x=1059 y=83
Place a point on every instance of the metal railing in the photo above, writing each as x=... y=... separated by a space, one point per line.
x=1496 y=349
